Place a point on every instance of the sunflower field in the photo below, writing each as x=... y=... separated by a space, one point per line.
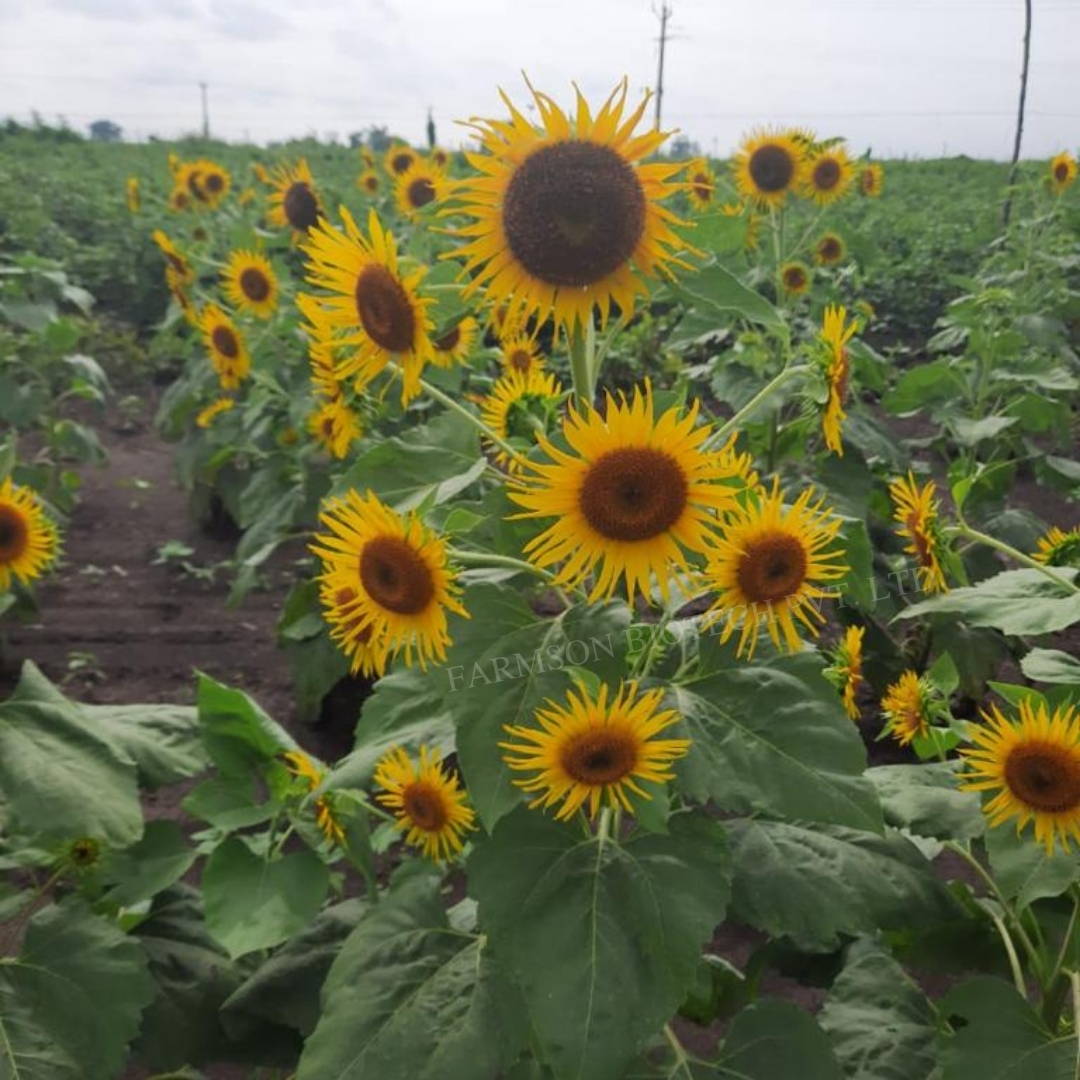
x=673 y=568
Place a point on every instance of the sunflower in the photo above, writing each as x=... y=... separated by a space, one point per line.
x=261 y=173
x=519 y=406
x=828 y=175
x=768 y=565
x=592 y=750
x=871 y=180
x=250 y=283
x=795 y=278
x=335 y=426
x=213 y=185
x=565 y=212
x=836 y=332
x=520 y=352
x=701 y=184
x=397 y=569
x=845 y=671
x=189 y=178
x=1033 y=765
x=631 y=499
x=174 y=163
x=399 y=159
x=178 y=270
x=916 y=510
x=228 y=353
x=352 y=636
x=313 y=775
x=29 y=541
x=829 y=250
x=367 y=157
x=294 y=201
x=131 y=193
x=378 y=308
x=906 y=707
x=1062 y=172
x=1059 y=547
x=323 y=369
x=439 y=158
x=179 y=199
x=456 y=344
x=421 y=185
x=368 y=181
x=213 y=410
x=769 y=165
x=427 y=801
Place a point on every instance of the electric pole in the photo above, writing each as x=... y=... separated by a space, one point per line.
x=665 y=13
x=205 y=113
x=1014 y=165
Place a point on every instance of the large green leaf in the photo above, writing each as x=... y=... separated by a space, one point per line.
x=880 y=1023
x=255 y=903
x=926 y=800
x=714 y=291
x=237 y=734
x=814 y=883
x=58 y=774
x=1023 y=870
x=70 y=1004
x=772 y=1040
x=1002 y=1037
x=1051 y=666
x=410 y=998
x=604 y=938
x=160 y=857
x=162 y=740
x=772 y=737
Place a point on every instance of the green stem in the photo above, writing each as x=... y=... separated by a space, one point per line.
x=965 y=530
x=484 y=558
x=582 y=358
x=1074 y=982
x=774 y=384
x=603 y=826
x=1010 y=950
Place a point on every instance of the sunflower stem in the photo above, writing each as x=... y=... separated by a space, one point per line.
x=725 y=429
x=1010 y=951
x=965 y=530
x=486 y=558
x=582 y=358
x=603 y=825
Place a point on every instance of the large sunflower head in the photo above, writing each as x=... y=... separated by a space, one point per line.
x=632 y=497
x=368 y=182
x=228 y=352
x=871 y=180
x=795 y=278
x=565 y=213
x=427 y=801
x=907 y=707
x=828 y=175
x=829 y=249
x=371 y=307
x=1059 y=547
x=520 y=405
x=916 y=511
x=335 y=427
x=397 y=572
x=767 y=567
x=456 y=344
x=592 y=750
x=700 y=184
x=250 y=283
x=400 y=159
x=1033 y=766
x=769 y=165
x=294 y=201
x=421 y=185
x=29 y=541
x=845 y=670
x=836 y=332
x=1063 y=171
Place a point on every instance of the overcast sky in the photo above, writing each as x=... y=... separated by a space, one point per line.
x=914 y=77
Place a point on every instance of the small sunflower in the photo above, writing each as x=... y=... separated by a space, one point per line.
x=519 y=406
x=590 y=750
x=335 y=426
x=420 y=186
x=84 y=853
x=795 y=278
x=427 y=801
x=179 y=199
x=1063 y=171
x=368 y=181
x=634 y=496
x=214 y=182
x=768 y=565
x=845 y=671
x=250 y=283
x=907 y=708
x=565 y=213
x=520 y=352
x=131 y=194
x=261 y=173
x=700 y=184
x=207 y=416
x=373 y=306
x=313 y=775
x=294 y=202
x=456 y=345
x=189 y=178
x=323 y=367
x=398 y=571
x=1033 y=765
x=916 y=510
x=29 y=541
x=829 y=250
x=439 y=157
x=400 y=159
x=829 y=173
x=228 y=353
x=769 y=165
x=836 y=332
x=1059 y=547
x=178 y=269
x=871 y=180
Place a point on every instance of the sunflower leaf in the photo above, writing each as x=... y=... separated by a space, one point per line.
x=717 y=292
x=773 y=1040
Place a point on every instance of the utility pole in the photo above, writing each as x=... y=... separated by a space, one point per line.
x=1014 y=167
x=205 y=113
x=665 y=13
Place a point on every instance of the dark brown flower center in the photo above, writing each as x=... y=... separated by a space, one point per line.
x=396 y=576
x=842 y=378
x=14 y=534
x=84 y=852
x=254 y=284
x=829 y=249
x=772 y=568
x=194 y=184
x=574 y=213
x=599 y=756
x=794 y=278
x=448 y=342
x=225 y=342
x=633 y=493
x=300 y=206
x=1044 y=776
x=214 y=183
x=1061 y=172
x=703 y=188
x=826 y=174
x=400 y=162
x=371 y=183
x=421 y=192
x=520 y=360
x=425 y=806
x=772 y=168
x=384 y=309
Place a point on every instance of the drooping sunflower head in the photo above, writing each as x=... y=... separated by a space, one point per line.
x=427 y=801
x=312 y=775
x=207 y=416
x=594 y=750
x=520 y=406
x=368 y=182
x=420 y=186
x=700 y=184
x=29 y=541
x=795 y=278
x=907 y=708
x=520 y=352
x=768 y=166
x=829 y=173
x=1059 y=547
x=767 y=567
x=228 y=352
x=829 y=250
x=845 y=670
x=335 y=427
x=916 y=511
x=836 y=332
x=399 y=159
x=1032 y=764
x=397 y=569
x=250 y=283
x=1063 y=171
x=294 y=201
x=633 y=497
x=567 y=220
x=871 y=180
x=456 y=344
x=177 y=267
